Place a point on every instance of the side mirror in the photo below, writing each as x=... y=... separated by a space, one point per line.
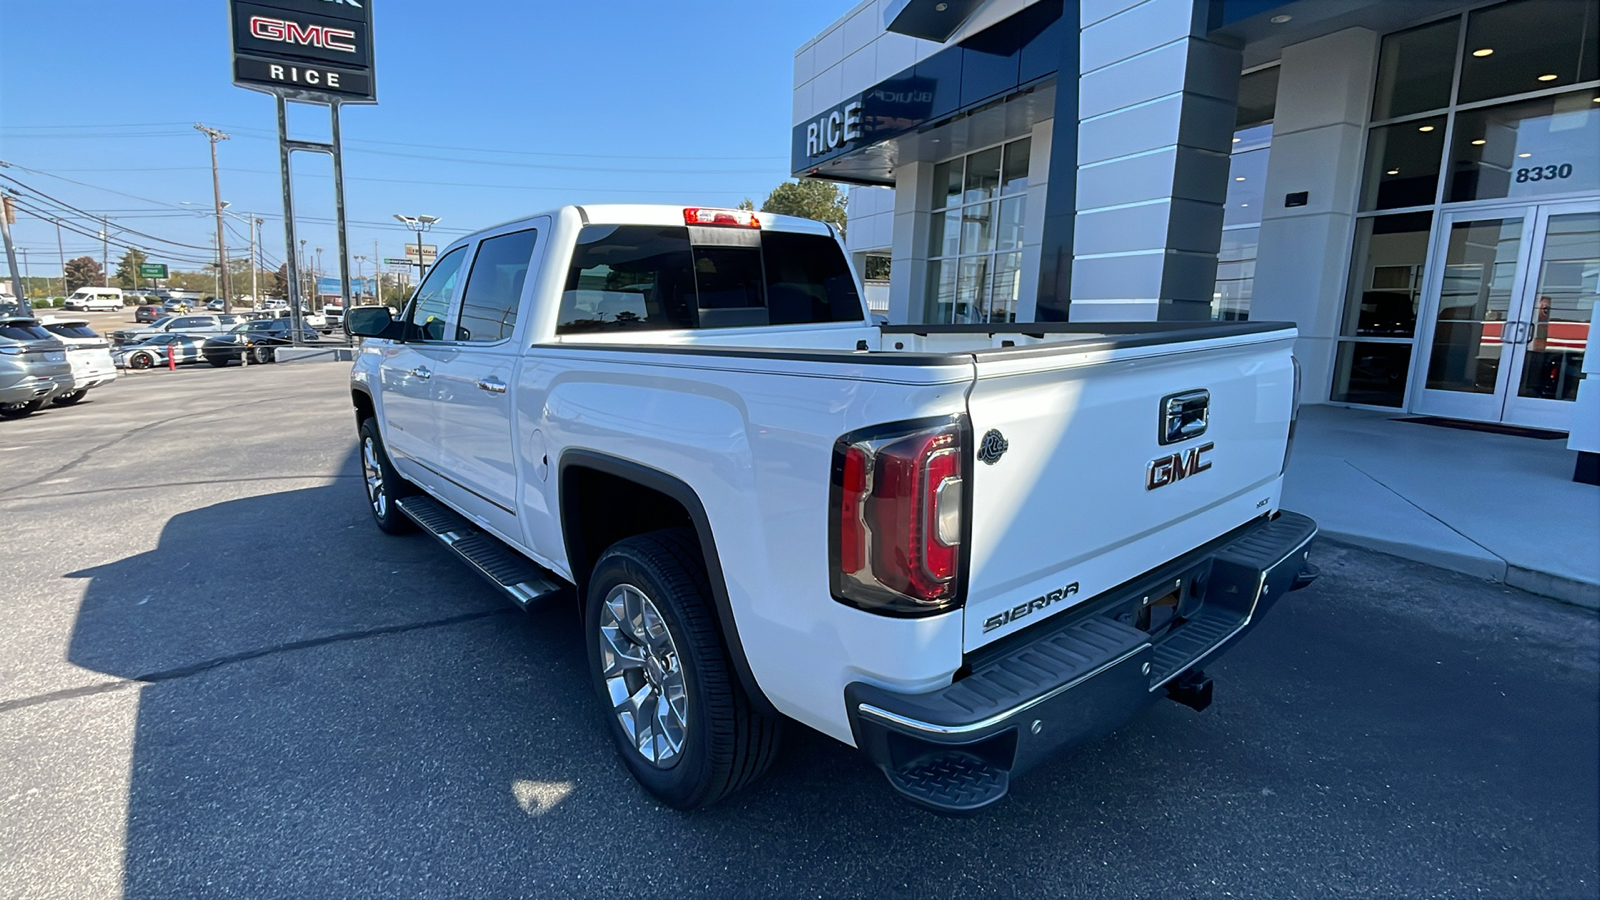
x=370 y=321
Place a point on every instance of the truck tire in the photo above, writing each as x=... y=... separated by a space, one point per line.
x=655 y=654
x=384 y=485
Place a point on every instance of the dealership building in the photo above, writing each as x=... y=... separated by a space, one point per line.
x=1415 y=184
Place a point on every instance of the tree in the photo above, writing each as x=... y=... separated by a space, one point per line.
x=809 y=199
x=82 y=272
x=128 y=267
x=278 y=286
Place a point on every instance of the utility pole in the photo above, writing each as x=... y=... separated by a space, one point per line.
x=105 y=252
x=255 y=260
x=8 y=216
x=216 y=189
x=27 y=278
x=63 y=255
x=316 y=293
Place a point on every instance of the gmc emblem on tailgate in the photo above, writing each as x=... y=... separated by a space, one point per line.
x=1164 y=470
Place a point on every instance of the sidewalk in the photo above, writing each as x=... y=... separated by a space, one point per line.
x=1499 y=507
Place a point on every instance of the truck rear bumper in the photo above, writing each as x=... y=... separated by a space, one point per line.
x=1081 y=675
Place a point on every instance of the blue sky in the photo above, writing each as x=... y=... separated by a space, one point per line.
x=487 y=111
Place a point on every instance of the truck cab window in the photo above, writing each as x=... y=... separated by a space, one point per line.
x=424 y=320
x=808 y=280
x=494 y=287
x=627 y=277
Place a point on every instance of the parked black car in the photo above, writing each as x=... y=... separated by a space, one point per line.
x=259 y=338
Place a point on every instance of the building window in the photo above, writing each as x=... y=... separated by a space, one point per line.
x=975 y=238
x=1512 y=87
x=1247 y=181
x=1525 y=149
x=1529 y=45
x=1380 y=318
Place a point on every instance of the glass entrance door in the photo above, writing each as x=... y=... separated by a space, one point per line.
x=1511 y=298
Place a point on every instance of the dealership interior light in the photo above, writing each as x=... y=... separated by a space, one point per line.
x=1279 y=20
x=1426 y=128
x=1483 y=51
x=1479 y=142
x=1547 y=77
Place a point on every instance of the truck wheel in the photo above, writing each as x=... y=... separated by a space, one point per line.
x=69 y=398
x=384 y=484
x=261 y=355
x=681 y=722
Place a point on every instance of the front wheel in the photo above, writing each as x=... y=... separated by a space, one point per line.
x=70 y=397
x=18 y=410
x=681 y=722
x=140 y=361
x=261 y=355
x=384 y=484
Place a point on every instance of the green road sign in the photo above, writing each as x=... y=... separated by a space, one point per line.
x=152 y=270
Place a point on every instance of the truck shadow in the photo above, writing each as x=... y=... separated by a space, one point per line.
x=328 y=711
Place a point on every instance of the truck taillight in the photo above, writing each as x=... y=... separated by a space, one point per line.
x=899 y=518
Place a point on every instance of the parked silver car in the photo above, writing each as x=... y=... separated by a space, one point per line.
x=33 y=367
x=155 y=351
x=198 y=323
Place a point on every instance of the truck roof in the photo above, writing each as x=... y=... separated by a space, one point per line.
x=654 y=214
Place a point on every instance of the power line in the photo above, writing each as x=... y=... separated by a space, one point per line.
x=65 y=205
x=262 y=134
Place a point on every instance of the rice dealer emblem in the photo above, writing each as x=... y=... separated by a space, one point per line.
x=993 y=447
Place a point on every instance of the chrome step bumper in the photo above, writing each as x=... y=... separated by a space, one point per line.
x=1064 y=682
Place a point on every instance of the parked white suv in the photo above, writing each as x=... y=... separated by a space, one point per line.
x=88 y=352
x=94 y=299
x=956 y=548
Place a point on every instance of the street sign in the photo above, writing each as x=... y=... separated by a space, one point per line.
x=392 y=261
x=429 y=251
x=317 y=51
x=152 y=270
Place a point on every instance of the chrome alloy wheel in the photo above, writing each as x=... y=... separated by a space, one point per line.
x=644 y=675
x=373 y=472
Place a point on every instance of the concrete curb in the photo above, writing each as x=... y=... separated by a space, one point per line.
x=1544 y=584
x=314 y=354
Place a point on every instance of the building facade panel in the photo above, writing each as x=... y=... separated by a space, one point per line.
x=1416 y=186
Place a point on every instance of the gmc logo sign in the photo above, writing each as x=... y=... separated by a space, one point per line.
x=287 y=32
x=1167 y=469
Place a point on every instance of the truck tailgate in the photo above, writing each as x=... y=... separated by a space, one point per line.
x=1067 y=510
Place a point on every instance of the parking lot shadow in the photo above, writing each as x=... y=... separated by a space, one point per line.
x=329 y=711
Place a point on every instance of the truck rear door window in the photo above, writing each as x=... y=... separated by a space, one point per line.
x=628 y=277
x=494 y=287
x=808 y=280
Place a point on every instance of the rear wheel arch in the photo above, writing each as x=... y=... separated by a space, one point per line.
x=591 y=487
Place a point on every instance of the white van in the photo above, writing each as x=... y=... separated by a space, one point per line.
x=89 y=299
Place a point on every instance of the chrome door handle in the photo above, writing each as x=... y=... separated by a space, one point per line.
x=422 y=373
x=492 y=385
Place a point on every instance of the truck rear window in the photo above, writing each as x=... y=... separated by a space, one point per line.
x=649 y=277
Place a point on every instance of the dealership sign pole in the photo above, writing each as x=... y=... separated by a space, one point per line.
x=306 y=51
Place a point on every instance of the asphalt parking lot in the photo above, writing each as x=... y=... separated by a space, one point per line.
x=218 y=678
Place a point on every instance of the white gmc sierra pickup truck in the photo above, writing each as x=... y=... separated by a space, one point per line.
x=956 y=548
